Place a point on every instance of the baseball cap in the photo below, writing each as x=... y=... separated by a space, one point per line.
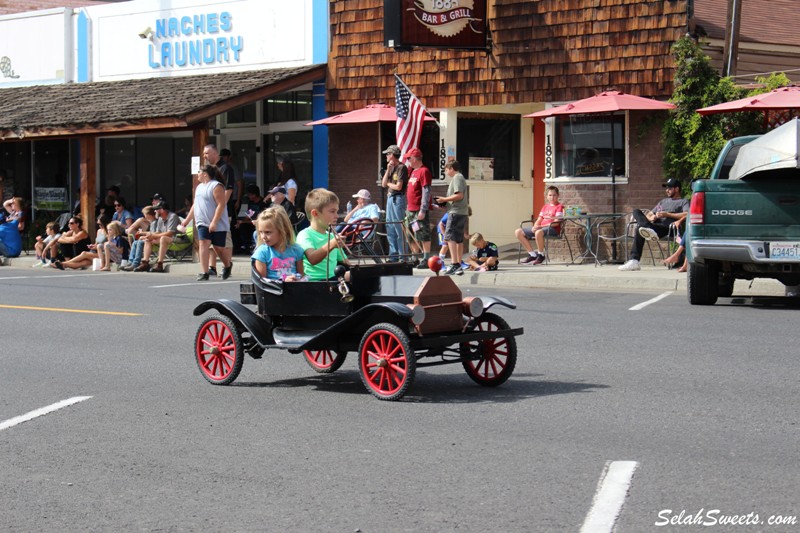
x=157 y=196
x=393 y=149
x=363 y=193
x=672 y=182
x=280 y=188
x=414 y=152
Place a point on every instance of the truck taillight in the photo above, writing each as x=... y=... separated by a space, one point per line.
x=697 y=208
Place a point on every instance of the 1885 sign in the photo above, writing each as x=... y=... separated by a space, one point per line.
x=435 y=23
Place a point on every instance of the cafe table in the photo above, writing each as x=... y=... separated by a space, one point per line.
x=589 y=222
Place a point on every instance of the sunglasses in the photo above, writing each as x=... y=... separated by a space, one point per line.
x=117 y=205
x=71 y=222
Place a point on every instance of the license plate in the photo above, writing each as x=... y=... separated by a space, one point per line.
x=788 y=251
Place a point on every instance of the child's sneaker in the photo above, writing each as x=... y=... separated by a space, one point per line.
x=529 y=259
x=39 y=263
x=539 y=259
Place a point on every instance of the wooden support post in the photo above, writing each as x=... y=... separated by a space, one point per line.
x=88 y=165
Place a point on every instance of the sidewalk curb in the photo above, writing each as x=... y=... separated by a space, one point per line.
x=552 y=276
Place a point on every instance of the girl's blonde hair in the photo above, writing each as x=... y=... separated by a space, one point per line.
x=280 y=221
x=114 y=229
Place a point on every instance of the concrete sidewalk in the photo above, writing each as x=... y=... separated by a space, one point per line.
x=552 y=276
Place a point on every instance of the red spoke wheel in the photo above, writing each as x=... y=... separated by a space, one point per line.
x=325 y=361
x=218 y=350
x=489 y=362
x=386 y=362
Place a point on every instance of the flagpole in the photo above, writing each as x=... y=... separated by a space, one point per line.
x=412 y=92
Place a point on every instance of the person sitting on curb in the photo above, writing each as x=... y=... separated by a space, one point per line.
x=656 y=224
x=485 y=257
x=138 y=231
x=163 y=234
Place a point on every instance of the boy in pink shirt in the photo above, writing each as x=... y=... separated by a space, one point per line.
x=548 y=224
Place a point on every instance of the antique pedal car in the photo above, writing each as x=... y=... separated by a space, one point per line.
x=389 y=318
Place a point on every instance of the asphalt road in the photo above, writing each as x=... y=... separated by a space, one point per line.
x=702 y=399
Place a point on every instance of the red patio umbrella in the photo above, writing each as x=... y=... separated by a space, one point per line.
x=777 y=99
x=371 y=113
x=605 y=102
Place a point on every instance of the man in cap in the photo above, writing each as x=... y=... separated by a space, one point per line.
x=278 y=194
x=364 y=208
x=395 y=179
x=164 y=230
x=418 y=196
x=656 y=224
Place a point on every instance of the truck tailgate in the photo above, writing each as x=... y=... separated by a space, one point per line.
x=759 y=209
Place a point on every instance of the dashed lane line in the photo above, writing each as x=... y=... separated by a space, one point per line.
x=610 y=496
x=642 y=305
x=11 y=422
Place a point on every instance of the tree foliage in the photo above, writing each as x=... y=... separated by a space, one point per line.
x=692 y=141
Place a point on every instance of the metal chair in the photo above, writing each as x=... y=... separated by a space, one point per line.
x=547 y=238
x=629 y=234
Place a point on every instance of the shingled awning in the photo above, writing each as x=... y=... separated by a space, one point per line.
x=139 y=105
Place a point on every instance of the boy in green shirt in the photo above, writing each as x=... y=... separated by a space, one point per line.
x=319 y=242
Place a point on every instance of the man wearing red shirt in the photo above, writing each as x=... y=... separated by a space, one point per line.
x=418 y=195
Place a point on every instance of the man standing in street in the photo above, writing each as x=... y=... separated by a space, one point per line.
x=418 y=196
x=457 y=215
x=395 y=179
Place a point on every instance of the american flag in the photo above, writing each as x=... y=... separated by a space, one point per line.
x=410 y=117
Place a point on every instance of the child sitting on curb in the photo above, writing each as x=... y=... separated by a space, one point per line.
x=485 y=256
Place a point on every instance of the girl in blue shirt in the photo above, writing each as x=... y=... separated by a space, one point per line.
x=277 y=256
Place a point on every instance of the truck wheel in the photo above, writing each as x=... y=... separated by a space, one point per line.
x=489 y=362
x=725 y=285
x=325 y=361
x=702 y=284
x=218 y=350
x=386 y=362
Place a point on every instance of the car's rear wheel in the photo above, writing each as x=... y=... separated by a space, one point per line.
x=489 y=362
x=702 y=284
x=386 y=363
x=325 y=361
x=218 y=350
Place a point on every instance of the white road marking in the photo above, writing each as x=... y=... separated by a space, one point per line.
x=648 y=302
x=56 y=275
x=610 y=495
x=11 y=422
x=195 y=283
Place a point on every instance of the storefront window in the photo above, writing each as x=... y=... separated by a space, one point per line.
x=297 y=146
x=245 y=115
x=288 y=107
x=585 y=146
x=488 y=146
